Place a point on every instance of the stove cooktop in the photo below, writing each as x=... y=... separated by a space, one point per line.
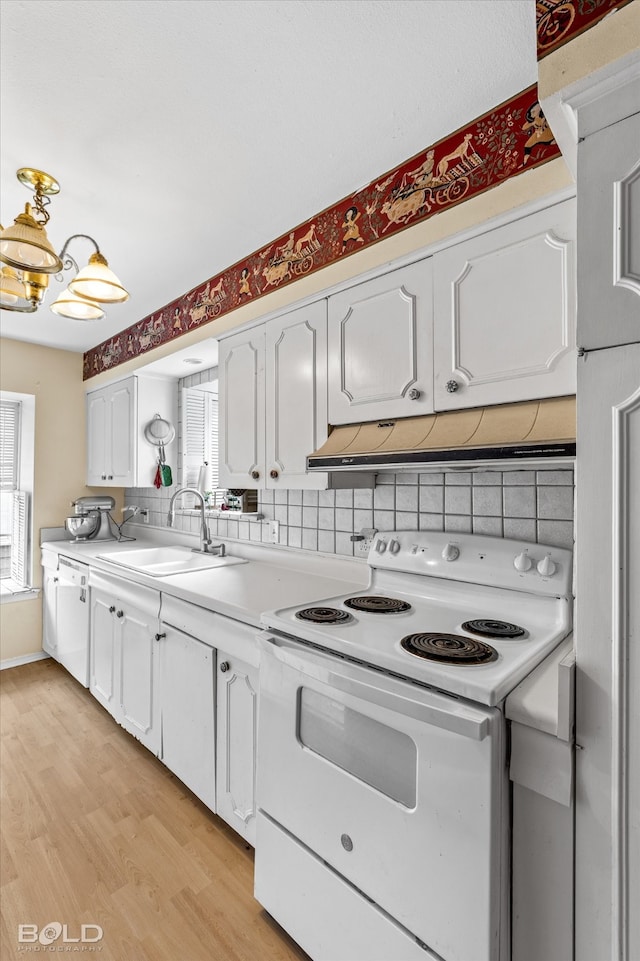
x=473 y=640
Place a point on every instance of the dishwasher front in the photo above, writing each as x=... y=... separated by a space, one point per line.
x=73 y=618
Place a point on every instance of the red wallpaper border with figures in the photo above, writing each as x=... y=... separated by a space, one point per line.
x=558 y=21
x=504 y=142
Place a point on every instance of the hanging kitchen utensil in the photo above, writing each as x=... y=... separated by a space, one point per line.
x=159 y=431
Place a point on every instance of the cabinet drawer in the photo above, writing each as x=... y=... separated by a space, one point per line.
x=144 y=599
x=195 y=621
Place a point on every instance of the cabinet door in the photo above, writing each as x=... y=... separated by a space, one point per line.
x=237 y=713
x=296 y=395
x=241 y=396
x=49 y=611
x=609 y=232
x=121 y=421
x=380 y=347
x=97 y=437
x=504 y=306
x=103 y=650
x=138 y=669
x=187 y=697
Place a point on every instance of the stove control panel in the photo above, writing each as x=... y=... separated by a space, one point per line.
x=475 y=559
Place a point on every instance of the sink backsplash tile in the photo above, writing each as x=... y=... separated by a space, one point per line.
x=529 y=505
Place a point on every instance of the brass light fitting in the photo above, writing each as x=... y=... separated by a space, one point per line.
x=30 y=259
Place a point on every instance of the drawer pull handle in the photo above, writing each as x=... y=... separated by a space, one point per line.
x=346 y=842
x=224 y=667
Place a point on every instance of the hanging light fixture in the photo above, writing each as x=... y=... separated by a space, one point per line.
x=30 y=259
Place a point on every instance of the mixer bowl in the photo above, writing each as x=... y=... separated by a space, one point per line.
x=82 y=526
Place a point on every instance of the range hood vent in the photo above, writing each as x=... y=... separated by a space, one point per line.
x=526 y=433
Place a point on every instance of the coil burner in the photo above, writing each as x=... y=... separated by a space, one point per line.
x=485 y=627
x=449 y=648
x=323 y=615
x=374 y=604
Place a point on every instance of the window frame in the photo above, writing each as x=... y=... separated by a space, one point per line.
x=23 y=483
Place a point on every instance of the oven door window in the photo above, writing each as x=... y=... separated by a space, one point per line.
x=373 y=752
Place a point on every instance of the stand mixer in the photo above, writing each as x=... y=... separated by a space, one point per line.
x=90 y=520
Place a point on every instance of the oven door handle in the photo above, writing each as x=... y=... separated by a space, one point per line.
x=453 y=716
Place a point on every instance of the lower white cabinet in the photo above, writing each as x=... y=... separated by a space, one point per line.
x=187 y=697
x=124 y=655
x=237 y=690
x=209 y=711
x=158 y=678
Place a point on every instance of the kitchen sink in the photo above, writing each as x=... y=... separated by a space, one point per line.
x=164 y=561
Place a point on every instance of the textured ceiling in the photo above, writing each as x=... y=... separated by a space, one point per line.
x=185 y=134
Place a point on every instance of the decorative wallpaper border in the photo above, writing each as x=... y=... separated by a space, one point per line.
x=504 y=142
x=558 y=21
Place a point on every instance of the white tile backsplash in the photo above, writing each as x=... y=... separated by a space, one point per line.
x=528 y=505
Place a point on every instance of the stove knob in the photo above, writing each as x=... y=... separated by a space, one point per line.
x=522 y=562
x=381 y=546
x=394 y=546
x=451 y=553
x=546 y=566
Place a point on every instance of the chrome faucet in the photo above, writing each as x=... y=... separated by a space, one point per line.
x=206 y=547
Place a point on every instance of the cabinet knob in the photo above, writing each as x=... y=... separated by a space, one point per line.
x=103 y=476
x=112 y=609
x=255 y=474
x=55 y=580
x=110 y=477
x=414 y=394
x=119 y=613
x=224 y=667
x=160 y=636
x=452 y=386
x=274 y=474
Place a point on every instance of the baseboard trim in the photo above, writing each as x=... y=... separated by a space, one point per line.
x=23 y=659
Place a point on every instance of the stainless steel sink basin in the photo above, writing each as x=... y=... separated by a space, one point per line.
x=164 y=561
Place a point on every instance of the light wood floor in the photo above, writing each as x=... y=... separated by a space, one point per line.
x=95 y=830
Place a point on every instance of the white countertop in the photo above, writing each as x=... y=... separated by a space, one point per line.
x=273 y=576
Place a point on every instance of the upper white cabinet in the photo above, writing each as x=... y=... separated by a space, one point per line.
x=273 y=401
x=380 y=347
x=504 y=306
x=117 y=453
x=609 y=235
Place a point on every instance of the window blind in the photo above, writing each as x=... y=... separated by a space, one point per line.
x=19 y=538
x=9 y=444
x=199 y=437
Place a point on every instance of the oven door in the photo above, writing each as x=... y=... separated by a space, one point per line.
x=400 y=789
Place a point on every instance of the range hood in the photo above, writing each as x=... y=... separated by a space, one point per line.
x=526 y=433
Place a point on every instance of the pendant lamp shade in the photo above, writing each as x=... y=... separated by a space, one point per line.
x=98 y=283
x=76 y=308
x=11 y=289
x=25 y=246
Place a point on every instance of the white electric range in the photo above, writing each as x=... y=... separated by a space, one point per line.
x=383 y=828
